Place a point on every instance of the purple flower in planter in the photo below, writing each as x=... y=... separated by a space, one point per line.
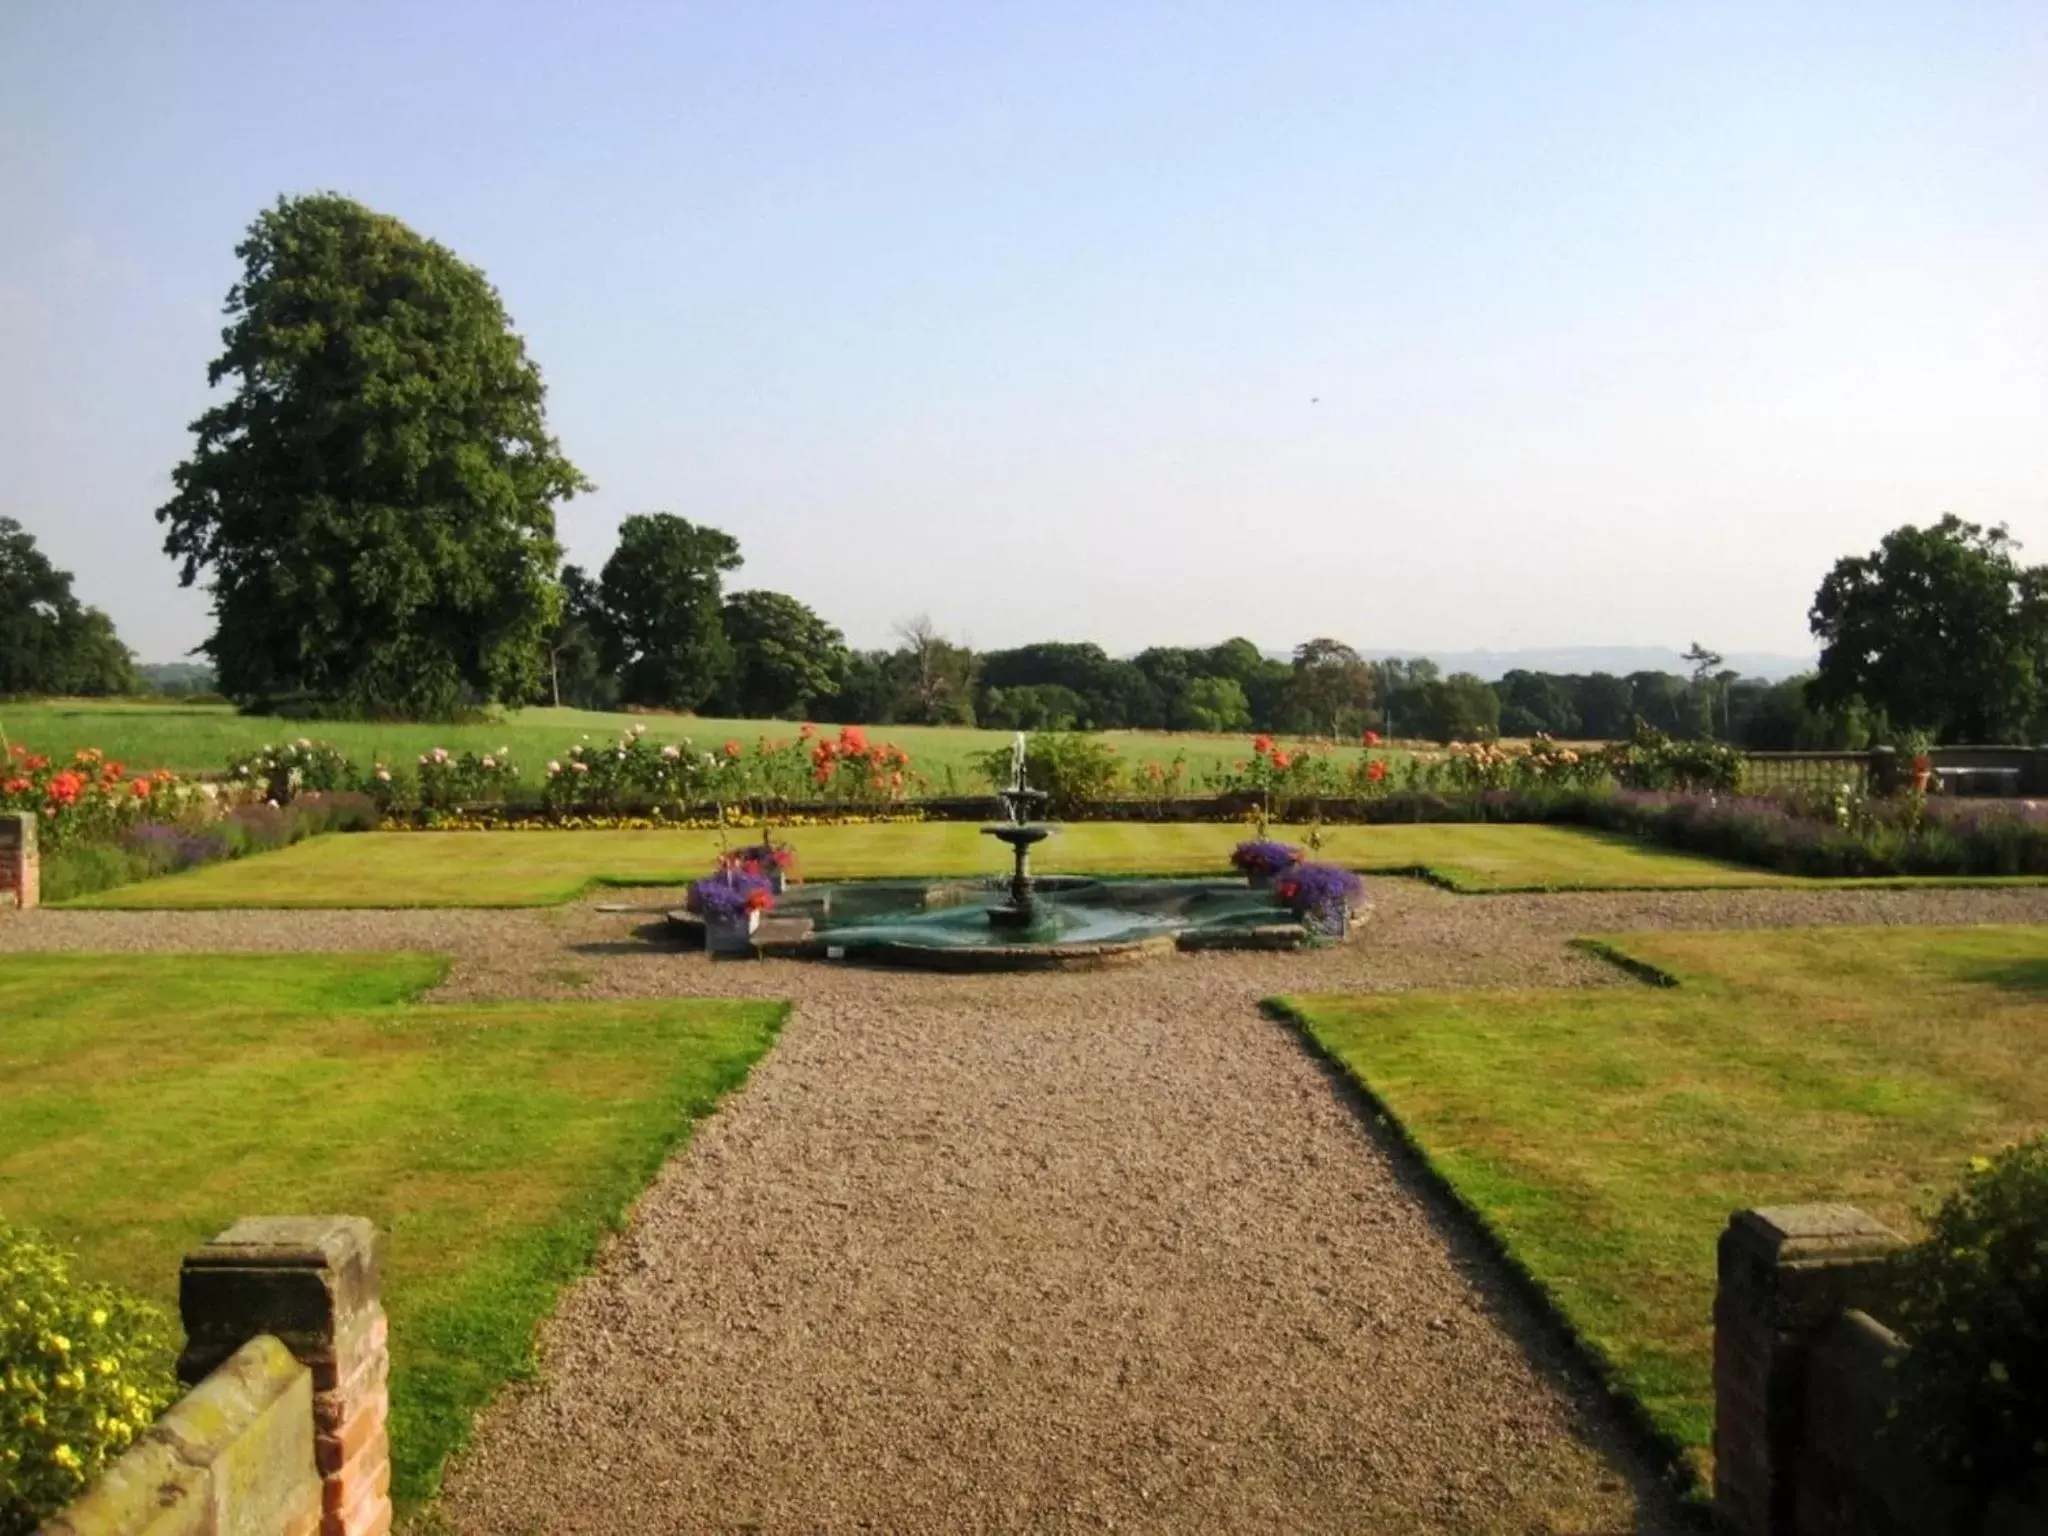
x=1322 y=895
x=1263 y=856
x=729 y=896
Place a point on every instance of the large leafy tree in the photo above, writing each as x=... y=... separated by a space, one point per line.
x=660 y=593
x=1263 y=681
x=49 y=641
x=1941 y=628
x=936 y=678
x=581 y=652
x=1333 y=687
x=783 y=655
x=373 y=505
x=1461 y=707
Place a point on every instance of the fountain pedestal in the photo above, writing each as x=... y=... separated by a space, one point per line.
x=1020 y=801
x=1022 y=910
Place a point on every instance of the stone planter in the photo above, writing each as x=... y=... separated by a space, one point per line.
x=734 y=937
x=1327 y=924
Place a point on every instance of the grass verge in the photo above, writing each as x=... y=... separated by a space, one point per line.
x=146 y=1102
x=1602 y=1137
x=541 y=868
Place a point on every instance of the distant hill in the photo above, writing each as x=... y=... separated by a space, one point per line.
x=1618 y=659
x=177 y=677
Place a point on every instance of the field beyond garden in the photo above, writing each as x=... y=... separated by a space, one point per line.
x=1605 y=1136
x=190 y=738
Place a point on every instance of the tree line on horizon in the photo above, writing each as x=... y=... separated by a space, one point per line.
x=372 y=509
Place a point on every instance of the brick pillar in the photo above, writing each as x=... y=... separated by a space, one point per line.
x=313 y=1282
x=20 y=863
x=1786 y=1273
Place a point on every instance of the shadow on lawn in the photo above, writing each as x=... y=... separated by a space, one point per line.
x=2012 y=975
x=662 y=937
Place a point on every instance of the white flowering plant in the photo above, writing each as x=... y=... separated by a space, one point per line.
x=450 y=779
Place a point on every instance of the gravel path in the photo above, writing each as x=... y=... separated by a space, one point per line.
x=1100 y=1251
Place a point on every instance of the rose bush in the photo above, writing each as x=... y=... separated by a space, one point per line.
x=88 y=798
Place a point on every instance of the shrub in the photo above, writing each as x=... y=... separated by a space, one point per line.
x=1275 y=775
x=846 y=768
x=287 y=768
x=1974 y=1307
x=447 y=780
x=82 y=1372
x=1071 y=768
x=88 y=798
x=1649 y=759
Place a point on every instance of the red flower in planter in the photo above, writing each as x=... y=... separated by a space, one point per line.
x=1262 y=745
x=1375 y=771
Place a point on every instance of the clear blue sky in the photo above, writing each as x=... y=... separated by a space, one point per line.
x=1434 y=326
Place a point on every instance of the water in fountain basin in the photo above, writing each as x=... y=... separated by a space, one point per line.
x=1071 y=913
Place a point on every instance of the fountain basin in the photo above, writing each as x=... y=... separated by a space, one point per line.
x=1073 y=923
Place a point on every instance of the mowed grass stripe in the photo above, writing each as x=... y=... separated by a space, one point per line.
x=1605 y=1136
x=540 y=868
x=148 y=1101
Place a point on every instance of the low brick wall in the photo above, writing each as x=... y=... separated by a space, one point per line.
x=284 y=1430
x=20 y=861
x=1803 y=1389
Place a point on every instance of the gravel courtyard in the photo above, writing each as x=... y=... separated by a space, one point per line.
x=1099 y=1251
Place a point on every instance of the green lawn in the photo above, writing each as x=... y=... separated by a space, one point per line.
x=537 y=868
x=201 y=738
x=1605 y=1136
x=145 y=1103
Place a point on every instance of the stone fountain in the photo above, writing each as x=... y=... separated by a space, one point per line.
x=1019 y=800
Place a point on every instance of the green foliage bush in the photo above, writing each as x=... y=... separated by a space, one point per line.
x=83 y=1370
x=289 y=768
x=1071 y=768
x=1973 y=1389
x=1649 y=759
